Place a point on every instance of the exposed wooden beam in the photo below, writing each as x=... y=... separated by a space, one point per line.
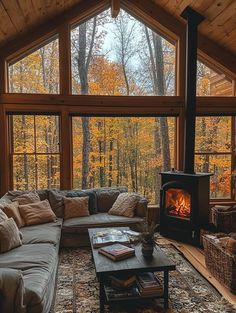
x=115 y=8
x=38 y=34
x=92 y=101
x=115 y=105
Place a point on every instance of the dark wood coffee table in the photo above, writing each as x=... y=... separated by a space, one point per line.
x=134 y=265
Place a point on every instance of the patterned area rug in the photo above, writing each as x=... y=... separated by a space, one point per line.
x=78 y=290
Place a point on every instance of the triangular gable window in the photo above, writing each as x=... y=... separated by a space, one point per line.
x=121 y=57
x=38 y=72
x=212 y=83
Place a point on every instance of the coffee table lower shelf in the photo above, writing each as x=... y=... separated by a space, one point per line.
x=131 y=297
x=104 y=299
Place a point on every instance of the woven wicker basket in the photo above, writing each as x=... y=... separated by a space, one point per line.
x=224 y=221
x=220 y=263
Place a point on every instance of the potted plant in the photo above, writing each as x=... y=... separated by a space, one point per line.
x=147 y=237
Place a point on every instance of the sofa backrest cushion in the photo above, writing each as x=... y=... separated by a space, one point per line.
x=12 y=194
x=56 y=200
x=27 y=197
x=107 y=196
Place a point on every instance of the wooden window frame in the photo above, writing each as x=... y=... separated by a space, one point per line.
x=66 y=104
x=12 y=153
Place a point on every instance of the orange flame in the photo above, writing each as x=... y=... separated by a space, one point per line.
x=178 y=202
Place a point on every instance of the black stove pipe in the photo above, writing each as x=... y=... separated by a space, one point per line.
x=193 y=20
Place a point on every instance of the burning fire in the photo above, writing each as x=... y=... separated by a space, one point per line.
x=178 y=202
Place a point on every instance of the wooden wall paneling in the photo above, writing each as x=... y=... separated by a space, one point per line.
x=13 y=9
x=66 y=150
x=6 y=24
x=65 y=59
x=27 y=41
x=4 y=155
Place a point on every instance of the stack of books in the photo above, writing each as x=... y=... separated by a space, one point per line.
x=149 y=285
x=114 y=293
x=117 y=252
x=122 y=280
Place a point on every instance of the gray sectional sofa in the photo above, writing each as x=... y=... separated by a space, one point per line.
x=28 y=273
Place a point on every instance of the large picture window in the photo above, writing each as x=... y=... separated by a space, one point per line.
x=121 y=56
x=123 y=151
x=35 y=151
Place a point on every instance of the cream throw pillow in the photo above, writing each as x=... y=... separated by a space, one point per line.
x=12 y=210
x=26 y=198
x=76 y=207
x=3 y=216
x=125 y=204
x=9 y=235
x=37 y=213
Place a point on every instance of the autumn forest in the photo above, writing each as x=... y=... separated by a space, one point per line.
x=120 y=57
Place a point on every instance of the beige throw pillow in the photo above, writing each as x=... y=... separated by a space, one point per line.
x=76 y=207
x=125 y=204
x=37 y=213
x=9 y=235
x=12 y=210
x=26 y=198
x=3 y=216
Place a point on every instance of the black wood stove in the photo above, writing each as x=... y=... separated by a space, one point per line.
x=184 y=198
x=184 y=205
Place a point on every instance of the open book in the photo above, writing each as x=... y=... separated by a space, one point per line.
x=109 y=237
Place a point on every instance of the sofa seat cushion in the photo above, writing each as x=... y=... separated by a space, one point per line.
x=81 y=224
x=37 y=263
x=43 y=233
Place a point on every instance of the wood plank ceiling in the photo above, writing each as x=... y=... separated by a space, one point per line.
x=220 y=18
x=20 y=16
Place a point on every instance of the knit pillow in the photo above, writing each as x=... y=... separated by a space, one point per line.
x=12 y=210
x=37 y=213
x=9 y=235
x=125 y=204
x=28 y=197
x=3 y=216
x=76 y=207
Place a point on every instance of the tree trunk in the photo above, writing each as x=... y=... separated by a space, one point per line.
x=83 y=73
x=110 y=163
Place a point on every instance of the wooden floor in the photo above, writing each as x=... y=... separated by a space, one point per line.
x=196 y=258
